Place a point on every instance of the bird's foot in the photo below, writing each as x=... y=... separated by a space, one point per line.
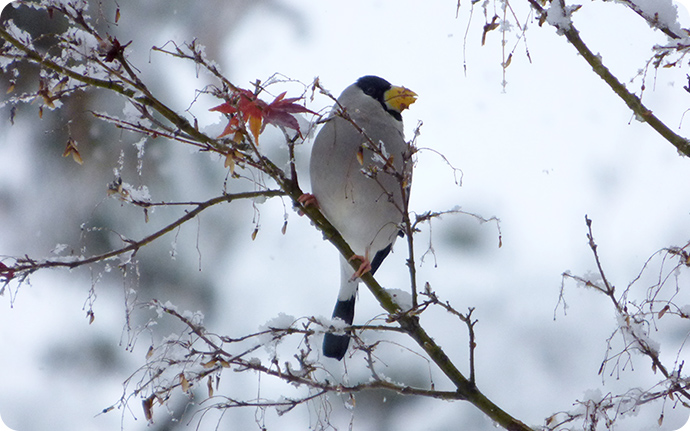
x=307 y=199
x=364 y=267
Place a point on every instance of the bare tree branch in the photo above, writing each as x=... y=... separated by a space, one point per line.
x=565 y=26
x=26 y=265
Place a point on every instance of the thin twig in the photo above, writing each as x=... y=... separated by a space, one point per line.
x=641 y=112
x=621 y=308
x=28 y=265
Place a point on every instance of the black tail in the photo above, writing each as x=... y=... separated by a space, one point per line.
x=335 y=346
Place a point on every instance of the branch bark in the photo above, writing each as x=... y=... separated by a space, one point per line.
x=641 y=112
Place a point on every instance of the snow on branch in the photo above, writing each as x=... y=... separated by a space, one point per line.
x=559 y=16
x=636 y=320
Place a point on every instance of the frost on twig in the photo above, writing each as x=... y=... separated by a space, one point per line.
x=660 y=14
x=195 y=363
x=648 y=304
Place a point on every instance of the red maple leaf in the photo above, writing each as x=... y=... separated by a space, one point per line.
x=245 y=108
x=280 y=112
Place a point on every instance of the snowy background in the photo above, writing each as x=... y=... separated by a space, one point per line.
x=552 y=145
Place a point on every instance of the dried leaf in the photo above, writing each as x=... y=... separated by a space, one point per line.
x=61 y=85
x=184 y=383
x=230 y=161
x=148 y=404
x=238 y=137
x=360 y=155
x=209 y=364
x=71 y=150
x=489 y=26
x=209 y=385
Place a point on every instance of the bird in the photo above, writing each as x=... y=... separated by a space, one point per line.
x=360 y=171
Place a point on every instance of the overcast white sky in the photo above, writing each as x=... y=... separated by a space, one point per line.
x=552 y=147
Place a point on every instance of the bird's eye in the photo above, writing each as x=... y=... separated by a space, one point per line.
x=370 y=91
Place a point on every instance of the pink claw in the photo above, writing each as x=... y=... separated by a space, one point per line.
x=364 y=267
x=307 y=199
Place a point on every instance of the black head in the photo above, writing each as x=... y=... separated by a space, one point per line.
x=376 y=87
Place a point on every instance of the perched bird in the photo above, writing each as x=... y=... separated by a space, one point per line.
x=360 y=172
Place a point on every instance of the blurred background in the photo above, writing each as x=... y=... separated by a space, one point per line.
x=539 y=146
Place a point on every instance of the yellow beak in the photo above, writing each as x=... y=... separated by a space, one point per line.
x=399 y=98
